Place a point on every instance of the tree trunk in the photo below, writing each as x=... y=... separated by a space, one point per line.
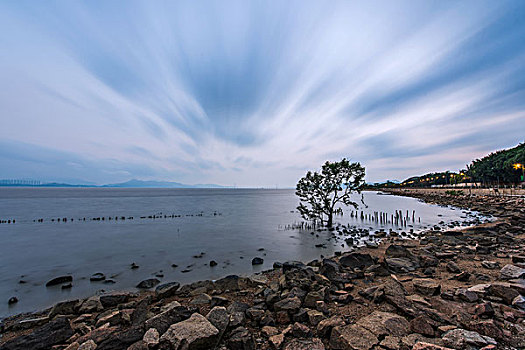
x=330 y=219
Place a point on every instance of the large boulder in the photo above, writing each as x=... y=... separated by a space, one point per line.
x=166 y=290
x=219 y=317
x=194 y=333
x=113 y=299
x=162 y=321
x=290 y=305
x=230 y=283
x=356 y=260
x=55 y=332
x=241 y=339
x=149 y=283
x=382 y=324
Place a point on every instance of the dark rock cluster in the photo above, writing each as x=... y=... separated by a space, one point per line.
x=448 y=290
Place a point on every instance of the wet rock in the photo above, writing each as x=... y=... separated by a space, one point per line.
x=43 y=338
x=113 y=299
x=167 y=290
x=201 y=299
x=134 y=266
x=194 y=333
x=148 y=283
x=213 y=263
x=230 y=283
x=91 y=305
x=426 y=287
x=290 y=265
x=59 y=280
x=257 y=261
x=96 y=277
x=241 y=339
x=68 y=307
x=12 y=300
x=509 y=272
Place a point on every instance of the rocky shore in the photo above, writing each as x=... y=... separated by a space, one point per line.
x=448 y=290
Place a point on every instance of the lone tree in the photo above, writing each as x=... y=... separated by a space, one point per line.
x=321 y=192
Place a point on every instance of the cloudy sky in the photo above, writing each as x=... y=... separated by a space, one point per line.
x=254 y=93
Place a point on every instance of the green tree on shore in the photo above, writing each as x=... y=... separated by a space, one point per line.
x=320 y=193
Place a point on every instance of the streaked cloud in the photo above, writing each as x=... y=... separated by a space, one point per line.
x=256 y=92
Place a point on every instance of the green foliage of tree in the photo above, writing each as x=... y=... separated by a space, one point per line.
x=499 y=167
x=320 y=193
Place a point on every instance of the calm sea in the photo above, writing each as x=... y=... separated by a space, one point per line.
x=229 y=226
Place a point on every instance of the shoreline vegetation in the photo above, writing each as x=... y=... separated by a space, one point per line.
x=447 y=290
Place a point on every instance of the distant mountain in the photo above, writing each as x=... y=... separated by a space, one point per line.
x=159 y=184
x=128 y=184
x=384 y=182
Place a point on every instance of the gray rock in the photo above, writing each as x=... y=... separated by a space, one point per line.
x=401 y=265
x=257 y=261
x=167 y=290
x=426 y=287
x=241 y=339
x=113 y=299
x=164 y=320
x=509 y=272
x=356 y=260
x=149 y=283
x=195 y=333
x=219 y=317
x=96 y=277
x=55 y=332
x=289 y=304
x=151 y=337
x=90 y=305
x=59 y=280
x=68 y=307
x=461 y=338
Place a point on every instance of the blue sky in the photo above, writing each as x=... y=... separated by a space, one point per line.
x=254 y=93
